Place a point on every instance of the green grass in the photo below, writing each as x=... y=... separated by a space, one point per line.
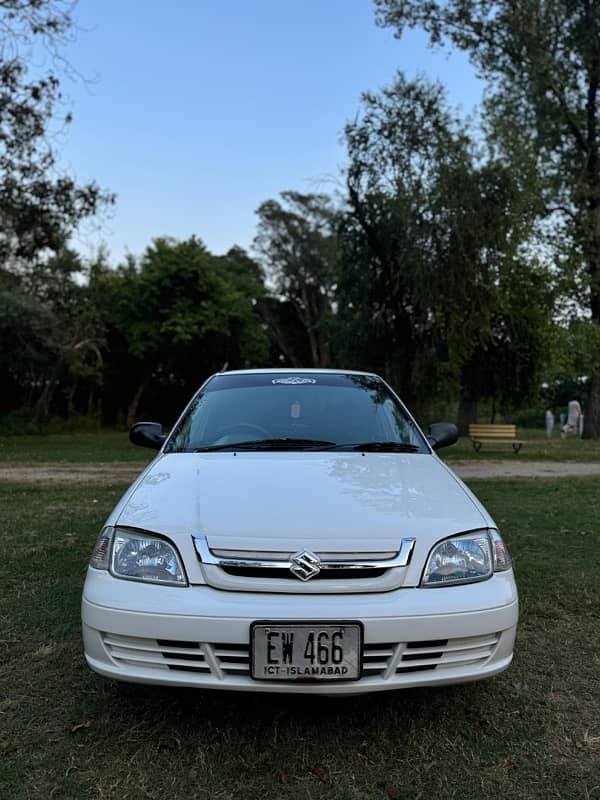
x=75 y=448
x=78 y=448
x=535 y=448
x=533 y=732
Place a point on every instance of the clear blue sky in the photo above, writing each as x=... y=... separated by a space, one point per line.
x=195 y=111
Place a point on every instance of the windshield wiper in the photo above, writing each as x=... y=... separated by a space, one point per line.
x=270 y=444
x=381 y=447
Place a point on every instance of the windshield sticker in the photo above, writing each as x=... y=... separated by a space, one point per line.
x=293 y=381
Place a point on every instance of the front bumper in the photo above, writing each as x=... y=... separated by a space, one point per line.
x=199 y=636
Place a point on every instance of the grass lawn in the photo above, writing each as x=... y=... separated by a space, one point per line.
x=78 y=448
x=535 y=448
x=74 y=448
x=533 y=732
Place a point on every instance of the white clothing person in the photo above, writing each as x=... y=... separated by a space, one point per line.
x=573 y=414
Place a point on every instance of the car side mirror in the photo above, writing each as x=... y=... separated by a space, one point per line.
x=442 y=434
x=147 y=434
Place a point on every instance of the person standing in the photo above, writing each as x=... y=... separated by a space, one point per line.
x=549 y=423
x=573 y=414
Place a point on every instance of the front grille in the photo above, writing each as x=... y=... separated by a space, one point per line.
x=284 y=574
x=396 y=658
x=376 y=658
x=203 y=657
x=380 y=660
x=447 y=653
x=303 y=571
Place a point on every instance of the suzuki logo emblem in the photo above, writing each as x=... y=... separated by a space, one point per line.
x=305 y=565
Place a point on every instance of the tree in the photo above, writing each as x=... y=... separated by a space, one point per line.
x=297 y=244
x=51 y=334
x=396 y=148
x=576 y=347
x=38 y=206
x=173 y=317
x=434 y=230
x=541 y=59
x=506 y=364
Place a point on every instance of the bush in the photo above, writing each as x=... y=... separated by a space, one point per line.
x=531 y=418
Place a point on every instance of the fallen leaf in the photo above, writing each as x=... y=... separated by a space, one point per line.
x=87 y=724
x=391 y=791
x=589 y=740
x=43 y=651
x=320 y=773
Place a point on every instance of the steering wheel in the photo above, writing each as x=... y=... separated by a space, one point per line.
x=263 y=433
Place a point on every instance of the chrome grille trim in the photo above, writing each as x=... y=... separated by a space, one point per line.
x=358 y=562
x=285 y=555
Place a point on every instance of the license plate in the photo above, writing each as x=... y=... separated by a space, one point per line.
x=306 y=651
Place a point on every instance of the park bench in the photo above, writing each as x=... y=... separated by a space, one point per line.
x=497 y=434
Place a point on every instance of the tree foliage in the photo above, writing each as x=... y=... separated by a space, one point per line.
x=541 y=59
x=424 y=270
x=45 y=328
x=175 y=316
x=297 y=244
x=39 y=206
x=434 y=237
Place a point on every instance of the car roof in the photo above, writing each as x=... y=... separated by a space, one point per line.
x=298 y=370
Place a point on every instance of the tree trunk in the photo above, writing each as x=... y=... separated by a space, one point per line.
x=467 y=413
x=591 y=422
x=274 y=331
x=308 y=320
x=42 y=406
x=592 y=412
x=592 y=172
x=71 y=400
x=44 y=401
x=132 y=408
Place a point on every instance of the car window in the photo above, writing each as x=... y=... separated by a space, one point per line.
x=342 y=409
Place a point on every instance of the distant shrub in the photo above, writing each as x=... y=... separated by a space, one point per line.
x=21 y=422
x=530 y=418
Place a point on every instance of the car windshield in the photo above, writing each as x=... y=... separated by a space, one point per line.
x=305 y=411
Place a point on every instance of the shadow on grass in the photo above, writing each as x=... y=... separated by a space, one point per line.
x=224 y=709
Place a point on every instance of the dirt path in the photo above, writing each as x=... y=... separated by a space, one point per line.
x=102 y=472
x=524 y=469
x=120 y=472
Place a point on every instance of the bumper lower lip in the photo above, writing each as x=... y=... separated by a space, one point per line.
x=133 y=642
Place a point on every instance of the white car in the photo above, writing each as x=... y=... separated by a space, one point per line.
x=298 y=533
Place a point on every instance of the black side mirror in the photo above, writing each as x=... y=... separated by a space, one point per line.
x=147 y=434
x=442 y=434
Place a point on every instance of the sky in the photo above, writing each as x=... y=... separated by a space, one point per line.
x=194 y=112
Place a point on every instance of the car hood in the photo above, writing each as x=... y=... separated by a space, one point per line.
x=331 y=501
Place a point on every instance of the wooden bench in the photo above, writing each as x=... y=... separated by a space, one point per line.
x=498 y=434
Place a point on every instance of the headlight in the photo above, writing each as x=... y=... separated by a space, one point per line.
x=137 y=556
x=142 y=557
x=466 y=559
